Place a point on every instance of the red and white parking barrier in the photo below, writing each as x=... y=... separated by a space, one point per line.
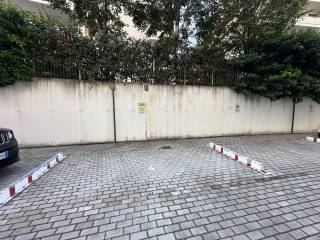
x=237 y=157
x=314 y=139
x=13 y=189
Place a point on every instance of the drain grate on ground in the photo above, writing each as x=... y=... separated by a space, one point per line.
x=166 y=147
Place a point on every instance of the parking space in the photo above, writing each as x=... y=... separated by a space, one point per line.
x=30 y=159
x=172 y=189
x=281 y=154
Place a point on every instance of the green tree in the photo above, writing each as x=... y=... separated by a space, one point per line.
x=169 y=17
x=234 y=25
x=171 y=20
x=66 y=50
x=16 y=37
x=40 y=46
x=97 y=15
x=110 y=51
x=137 y=60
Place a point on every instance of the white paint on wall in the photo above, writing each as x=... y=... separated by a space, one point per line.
x=59 y=112
x=191 y=111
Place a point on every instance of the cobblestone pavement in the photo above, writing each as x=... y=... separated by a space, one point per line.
x=175 y=189
x=30 y=159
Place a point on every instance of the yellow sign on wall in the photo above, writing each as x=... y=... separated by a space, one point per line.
x=142 y=107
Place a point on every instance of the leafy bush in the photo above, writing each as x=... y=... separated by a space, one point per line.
x=280 y=66
x=30 y=44
x=15 y=35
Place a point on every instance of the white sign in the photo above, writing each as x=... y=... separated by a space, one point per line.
x=4 y=155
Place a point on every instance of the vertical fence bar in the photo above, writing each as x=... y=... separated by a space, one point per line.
x=212 y=77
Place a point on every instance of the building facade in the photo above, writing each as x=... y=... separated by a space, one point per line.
x=311 y=17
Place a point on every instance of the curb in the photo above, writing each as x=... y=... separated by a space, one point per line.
x=13 y=189
x=313 y=139
x=238 y=157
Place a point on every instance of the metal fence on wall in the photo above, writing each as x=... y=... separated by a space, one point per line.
x=227 y=75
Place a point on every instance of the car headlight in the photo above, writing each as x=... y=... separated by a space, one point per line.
x=10 y=135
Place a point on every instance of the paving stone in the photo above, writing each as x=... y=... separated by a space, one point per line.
x=156 y=231
x=114 y=233
x=183 y=234
x=198 y=230
x=70 y=235
x=138 y=235
x=187 y=225
x=241 y=237
x=148 y=225
x=298 y=234
x=310 y=230
x=211 y=236
x=255 y=235
x=132 y=229
x=98 y=236
x=169 y=236
x=224 y=233
x=64 y=229
x=283 y=236
x=55 y=237
x=25 y=236
x=239 y=229
x=172 y=228
x=89 y=231
x=164 y=222
x=45 y=233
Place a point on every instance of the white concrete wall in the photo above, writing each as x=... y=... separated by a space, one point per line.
x=307 y=116
x=58 y=112
x=191 y=111
x=55 y=112
x=131 y=124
